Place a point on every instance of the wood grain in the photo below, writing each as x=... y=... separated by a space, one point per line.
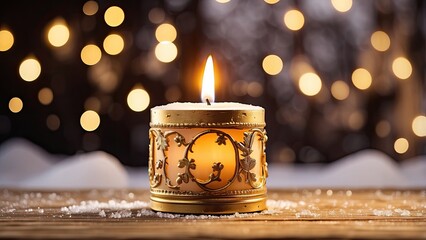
x=312 y=213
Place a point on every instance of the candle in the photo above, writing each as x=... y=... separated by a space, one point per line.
x=207 y=157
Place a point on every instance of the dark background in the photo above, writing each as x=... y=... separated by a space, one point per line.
x=239 y=34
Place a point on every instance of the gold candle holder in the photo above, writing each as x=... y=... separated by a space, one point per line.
x=207 y=159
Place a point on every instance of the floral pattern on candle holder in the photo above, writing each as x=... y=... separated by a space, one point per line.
x=244 y=162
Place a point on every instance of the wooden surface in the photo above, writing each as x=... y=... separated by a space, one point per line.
x=124 y=214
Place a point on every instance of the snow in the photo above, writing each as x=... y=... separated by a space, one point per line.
x=123 y=209
x=25 y=165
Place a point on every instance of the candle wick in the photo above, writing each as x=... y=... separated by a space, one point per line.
x=208 y=102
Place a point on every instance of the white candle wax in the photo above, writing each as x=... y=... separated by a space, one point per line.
x=204 y=106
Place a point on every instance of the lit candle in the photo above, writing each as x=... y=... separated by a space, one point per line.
x=208 y=157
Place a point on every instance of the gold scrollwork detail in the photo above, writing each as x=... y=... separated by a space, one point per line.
x=154 y=177
x=247 y=163
x=189 y=164
x=244 y=163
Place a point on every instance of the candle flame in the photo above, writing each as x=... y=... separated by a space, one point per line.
x=207 y=90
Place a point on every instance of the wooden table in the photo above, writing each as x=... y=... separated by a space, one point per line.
x=314 y=213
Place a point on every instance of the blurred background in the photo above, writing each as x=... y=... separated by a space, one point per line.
x=335 y=77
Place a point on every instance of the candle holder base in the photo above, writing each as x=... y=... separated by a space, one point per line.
x=208 y=204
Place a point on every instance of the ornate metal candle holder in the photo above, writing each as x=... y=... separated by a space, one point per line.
x=207 y=161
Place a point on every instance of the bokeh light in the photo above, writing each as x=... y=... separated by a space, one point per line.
x=30 y=69
x=254 y=89
x=294 y=20
x=90 y=120
x=166 y=52
x=92 y=103
x=383 y=128
x=45 y=96
x=15 y=105
x=156 y=15
x=223 y=1
x=90 y=8
x=271 y=1
x=6 y=40
x=380 y=41
x=58 y=34
x=53 y=122
x=356 y=120
x=113 y=44
x=361 y=78
x=401 y=67
x=310 y=84
x=272 y=64
x=286 y=155
x=401 y=145
x=342 y=5
x=114 y=16
x=138 y=100
x=239 y=88
x=91 y=54
x=419 y=126
x=165 y=32
x=340 y=90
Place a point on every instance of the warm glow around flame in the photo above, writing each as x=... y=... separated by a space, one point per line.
x=207 y=90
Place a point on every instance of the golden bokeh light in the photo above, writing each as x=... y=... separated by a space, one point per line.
x=92 y=103
x=156 y=15
x=361 y=78
x=419 y=126
x=340 y=90
x=254 y=89
x=114 y=16
x=271 y=1
x=401 y=145
x=401 y=67
x=356 y=120
x=165 y=32
x=113 y=44
x=380 y=41
x=90 y=120
x=310 y=84
x=6 y=40
x=15 y=105
x=91 y=54
x=58 y=34
x=90 y=8
x=45 y=96
x=30 y=69
x=383 y=128
x=342 y=5
x=53 y=122
x=272 y=64
x=166 y=51
x=138 y=100
x=286 y=155
x=294 y=20
x=223 y=1
x=239 y=88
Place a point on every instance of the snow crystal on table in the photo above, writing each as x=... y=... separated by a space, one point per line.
x=96 y=206
x=122 y=209
x=389 y=213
